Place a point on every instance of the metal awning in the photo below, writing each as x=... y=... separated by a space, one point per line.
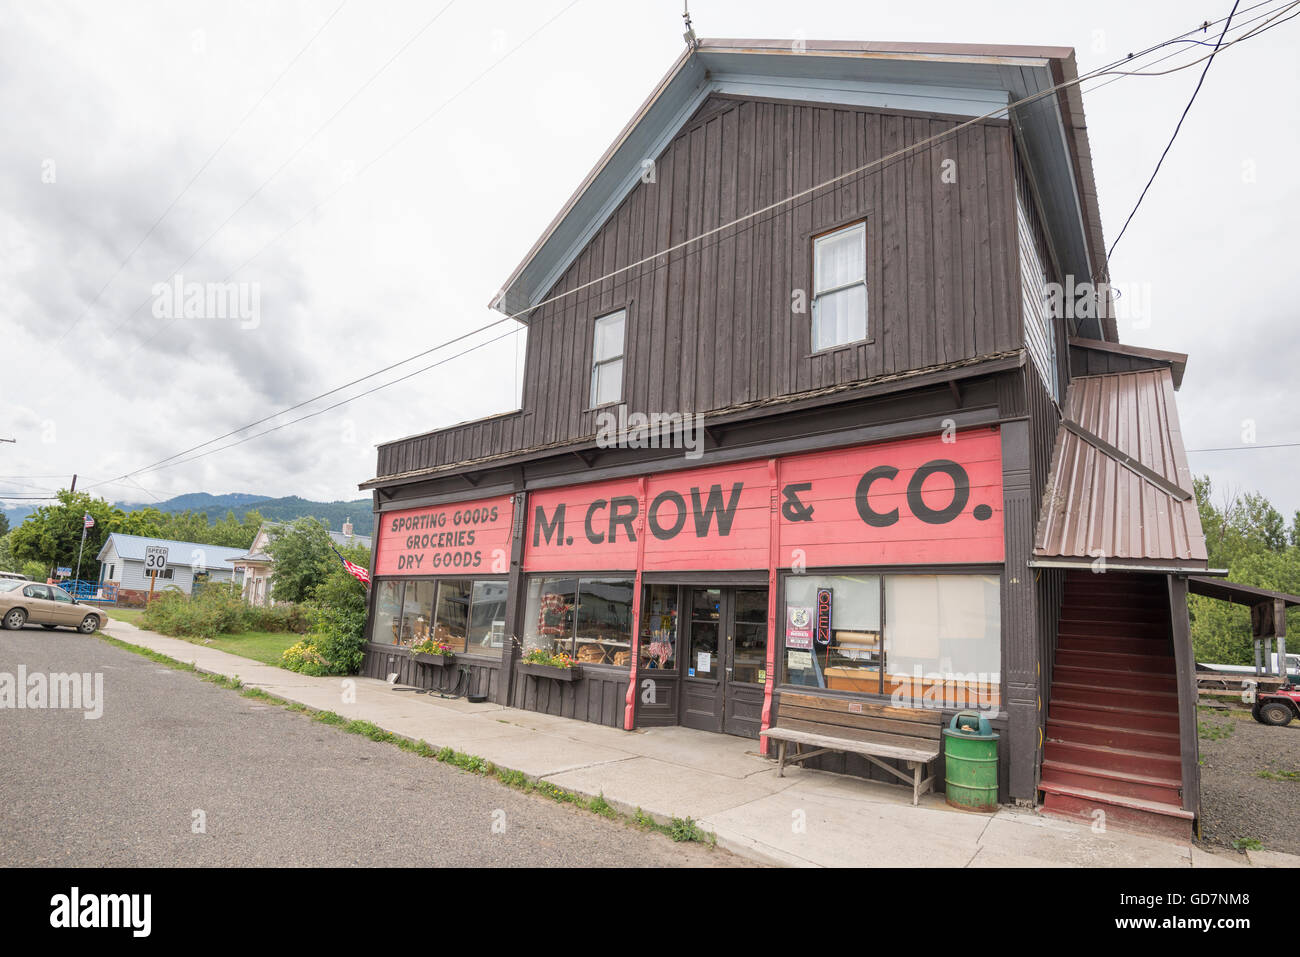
x=1119 y=487
x=1239 y=594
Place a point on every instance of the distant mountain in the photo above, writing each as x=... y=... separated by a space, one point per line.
x=17 y=513
x=215 y=505
x=334 y=514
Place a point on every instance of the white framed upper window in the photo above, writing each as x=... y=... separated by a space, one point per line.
x=607 y=358
x=839 y=309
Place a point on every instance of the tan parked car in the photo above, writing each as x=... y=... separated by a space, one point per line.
x=48 y=605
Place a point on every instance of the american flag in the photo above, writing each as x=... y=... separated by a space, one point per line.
x=89 y=522
x=355 y=570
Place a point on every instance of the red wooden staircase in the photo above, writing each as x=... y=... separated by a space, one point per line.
x=1112 y=738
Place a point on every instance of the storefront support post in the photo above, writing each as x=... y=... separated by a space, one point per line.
x=773 y=561
x=1019 y=613
x=629 y=710
x=514 y=597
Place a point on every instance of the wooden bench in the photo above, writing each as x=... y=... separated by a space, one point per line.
x=874 y=731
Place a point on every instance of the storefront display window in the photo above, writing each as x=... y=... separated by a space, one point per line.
x=589 y=619
x=604 y=621
x=417 y=607
x=451 y=619
x=487 y=625
x=659 y=628
x=467 y=615
x=845 y=656
x=548 y=621
x=940 y=641
x=388 y=612
x=943 y=639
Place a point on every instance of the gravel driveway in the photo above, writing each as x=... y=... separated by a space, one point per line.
x=1237 y=801
x=274 y=787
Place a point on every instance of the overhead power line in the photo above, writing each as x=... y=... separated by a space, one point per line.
x=1242 y=448
x=372 y=162
x=1208 y=63
x=884 y=161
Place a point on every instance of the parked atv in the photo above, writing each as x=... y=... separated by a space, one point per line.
x=1277 y=707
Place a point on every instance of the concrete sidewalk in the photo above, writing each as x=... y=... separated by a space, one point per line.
x=807 y=818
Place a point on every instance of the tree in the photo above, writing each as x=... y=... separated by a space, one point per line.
x=304 y=557
x=4 y=524
x=1247 y=536
x=52 y=534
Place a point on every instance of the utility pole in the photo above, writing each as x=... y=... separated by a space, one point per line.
x=74 y=484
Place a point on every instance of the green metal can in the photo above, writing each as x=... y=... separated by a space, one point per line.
x=970 y=760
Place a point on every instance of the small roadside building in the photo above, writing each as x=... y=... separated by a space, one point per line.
x=254 y=568
x=188 y=564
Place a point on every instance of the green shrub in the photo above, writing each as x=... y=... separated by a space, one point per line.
x=294 y=618
x=218 y=609
x=303 y=658
x=337 y=635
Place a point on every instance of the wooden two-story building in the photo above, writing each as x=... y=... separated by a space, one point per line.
x=802 y=413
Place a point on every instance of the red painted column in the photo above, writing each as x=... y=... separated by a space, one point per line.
x=629 y=712
x=773 y=560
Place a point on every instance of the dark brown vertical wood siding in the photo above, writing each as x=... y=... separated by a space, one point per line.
x=712 y=325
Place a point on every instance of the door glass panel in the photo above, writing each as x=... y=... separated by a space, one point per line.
x=658 y=643
x=702 y=660
x=749 y=652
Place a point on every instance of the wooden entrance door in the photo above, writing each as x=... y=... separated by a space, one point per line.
x=725 y=643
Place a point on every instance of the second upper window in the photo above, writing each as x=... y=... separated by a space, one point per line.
x=607 y=359
x=839 y=312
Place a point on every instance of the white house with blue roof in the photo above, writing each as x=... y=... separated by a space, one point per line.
x=122 y=562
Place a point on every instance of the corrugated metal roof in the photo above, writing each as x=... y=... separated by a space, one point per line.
x=1119 y=485
x=131 y=548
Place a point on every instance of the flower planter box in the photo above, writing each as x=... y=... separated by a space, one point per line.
x=551 y=671
x=438 y=661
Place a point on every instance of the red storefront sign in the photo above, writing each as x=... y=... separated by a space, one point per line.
x=920 y=500
x=446 y=539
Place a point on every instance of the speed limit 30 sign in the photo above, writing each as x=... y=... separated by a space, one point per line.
x=155 y=558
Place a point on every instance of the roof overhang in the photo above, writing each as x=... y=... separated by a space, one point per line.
x=961 y=80
x=1119 y=492
x=1238 y=594
x=1175 y=361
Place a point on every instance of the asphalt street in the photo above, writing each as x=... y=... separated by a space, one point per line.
x=273 y=786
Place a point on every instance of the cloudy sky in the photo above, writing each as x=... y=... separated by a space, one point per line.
x=373 y=173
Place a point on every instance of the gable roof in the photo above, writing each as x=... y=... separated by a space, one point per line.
x=963 y=80
x=132 y=548
x=338 y=538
